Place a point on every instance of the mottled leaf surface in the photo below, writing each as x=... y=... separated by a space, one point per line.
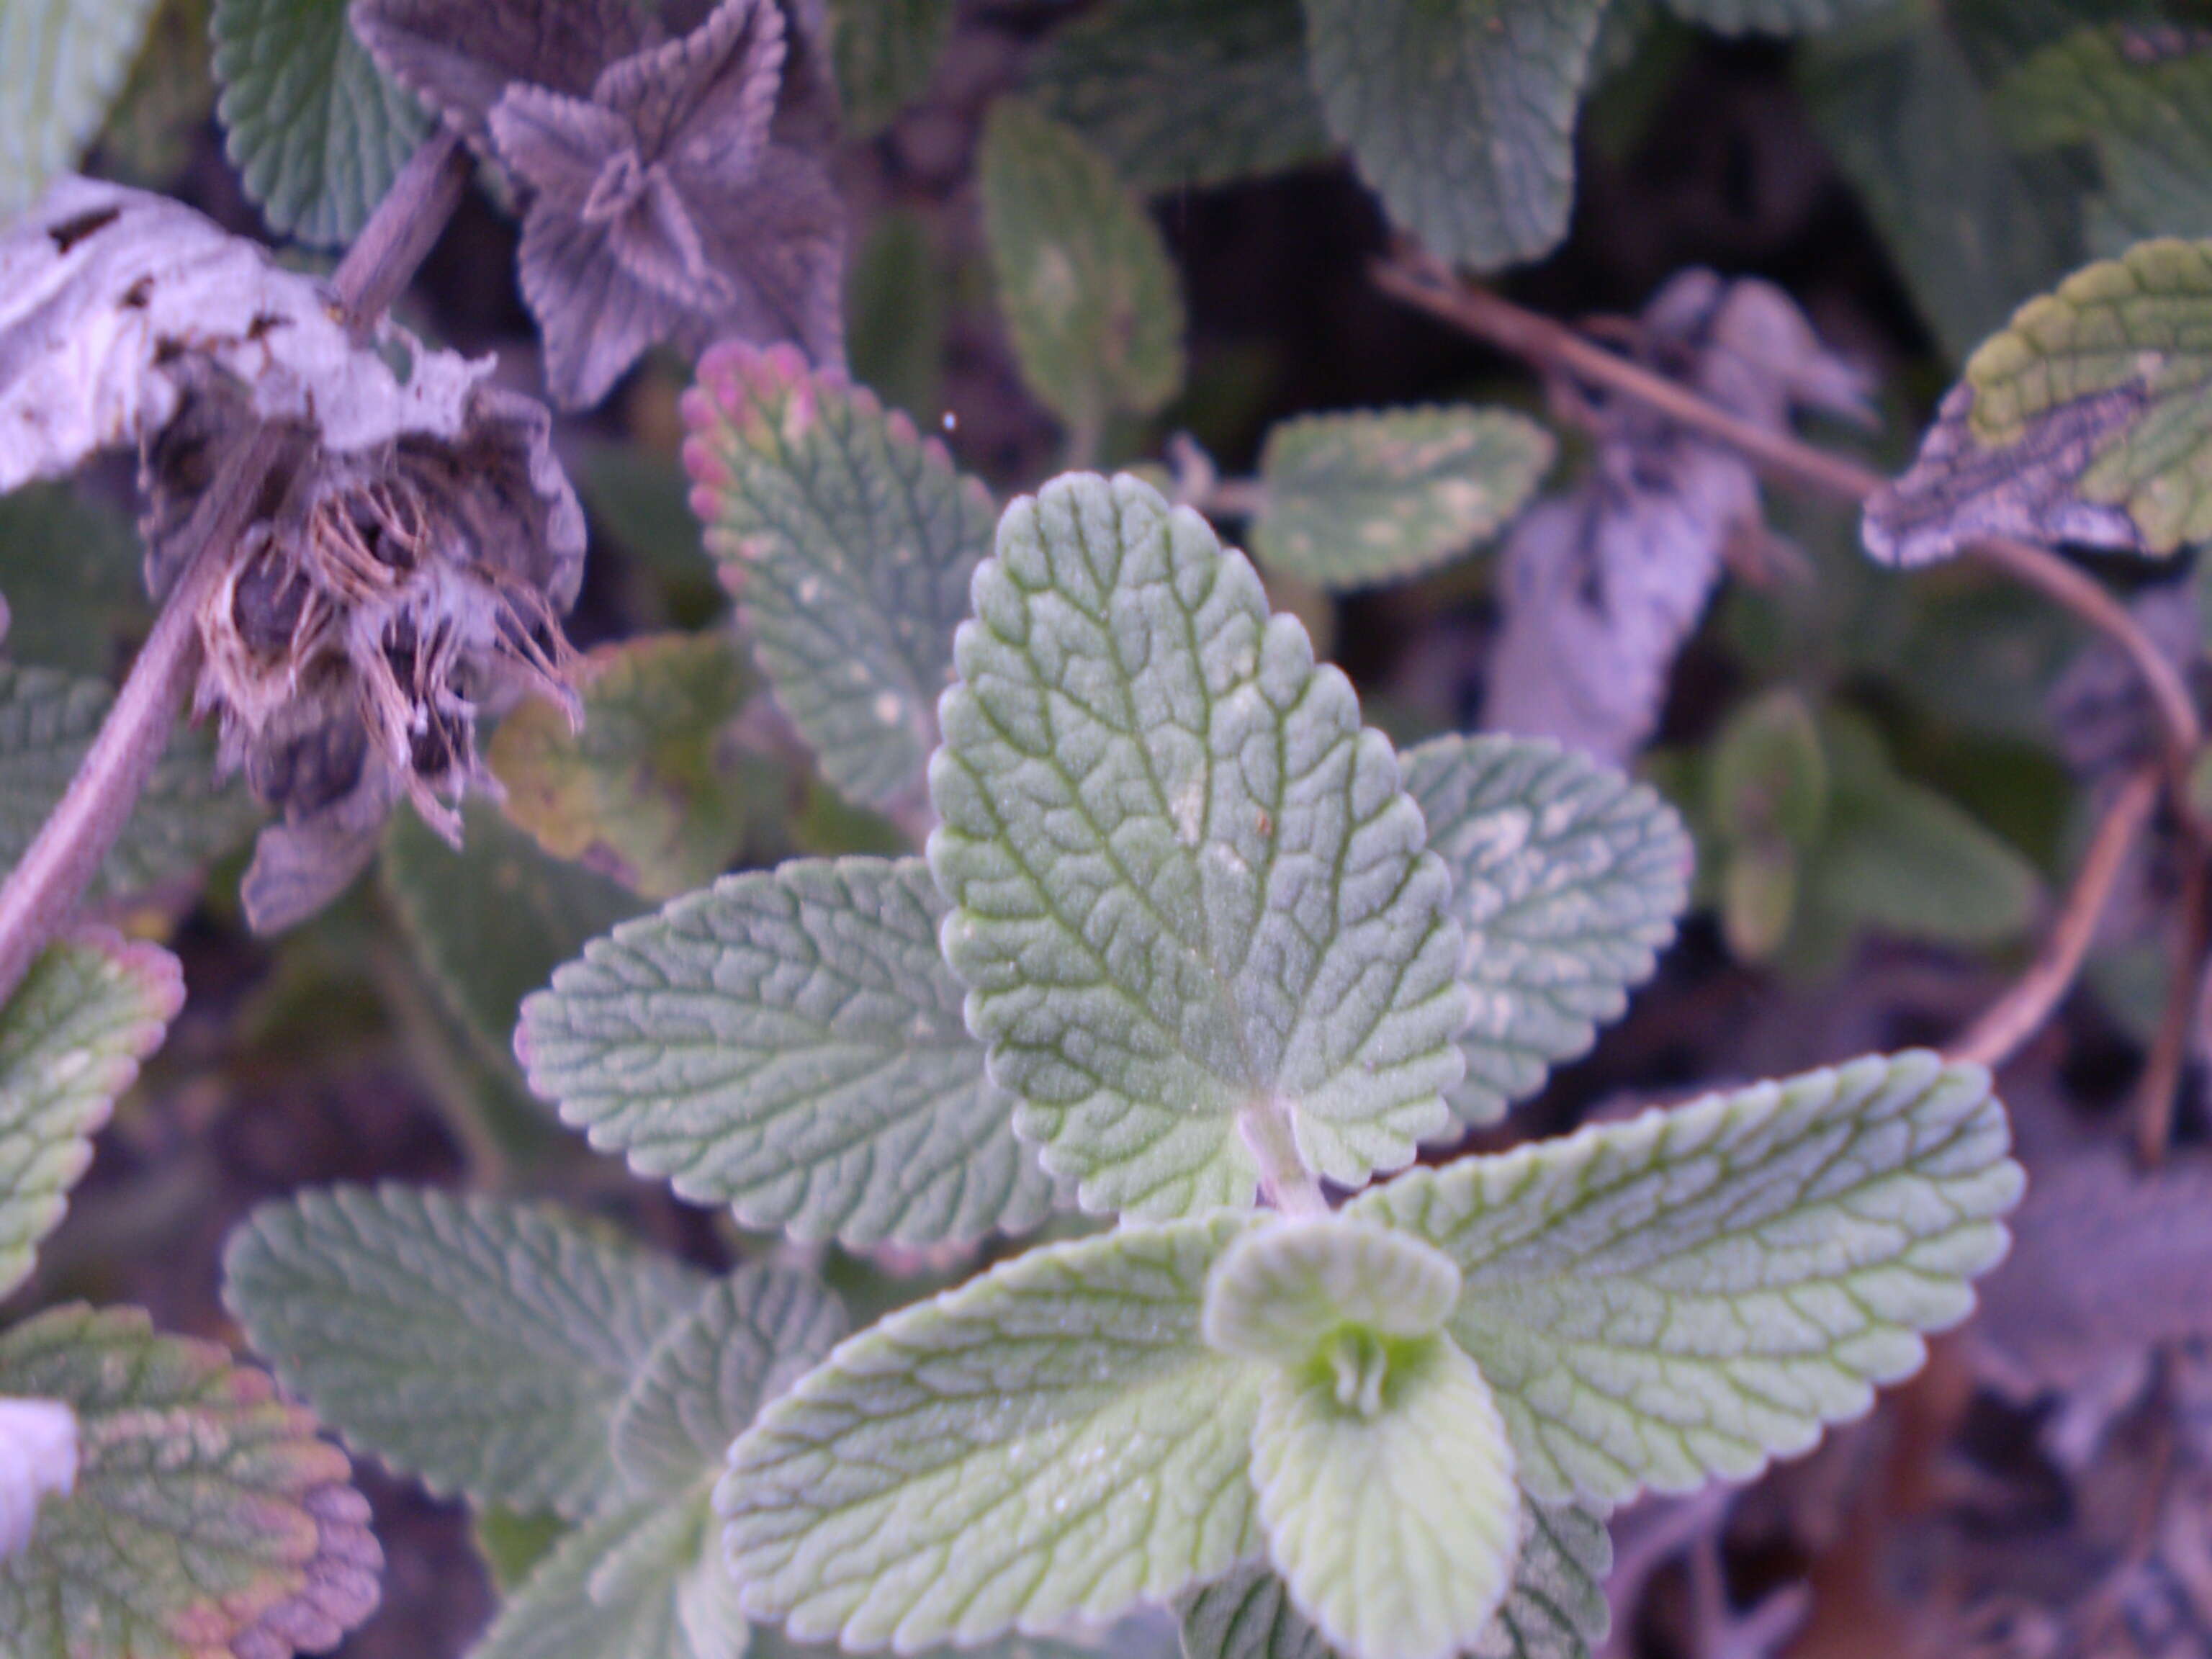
x=70 y=1041
x=481 y=1344
x=2085 y=420
x=790 y=1043
x=1556 y=1608
x=316 y=133
x=644 y=1582
x=1090 y=298
x=1402 y=1442
x=1192 y=904
x=1567 y=879
x=647 y=792
x=1358 y=498
x=490 y=922
x=1052 y=1442
x=208 y=1517
x=47 y=723
x=849 y=541
x=751 y=1337
x=61 y=64
x=1461 y=114
x=1177 y=94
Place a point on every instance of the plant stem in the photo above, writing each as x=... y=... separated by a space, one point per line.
x=43 y=890
x=1285 y=1182
x=1422 y=282
x=2169 y=1050
x=1997 y=1035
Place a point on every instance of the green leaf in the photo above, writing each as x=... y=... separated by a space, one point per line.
x=1413 y=1452
x=316 y=133
x=61 y=62
x=182 y=821
x=1973 y=231
x=790 y=1043
x=71 y=580
x=482 y=1344
x=1684 y=1295
x=885 y=51
x=754 y=1335
x=1902 y=857
x=1051 y=1442
x=1281 y=1291
x=1089 y=296
x=1355 y=498
x=1556 y=1609
x=1181 y=94
x=1193 y=904
x=209 y=1518
x=849 y=541
x=643 y=501
x=647 y=792
x=153 y=128
x=1768 y=776
x=1772 y=16
x=490 y=922
x=2087 y=420
x=70 y=1041
x=640 y=1583
x=1567 y=878
x=897 y=294
x=2144 y=106
x=1461 y=114
x=512 y=1544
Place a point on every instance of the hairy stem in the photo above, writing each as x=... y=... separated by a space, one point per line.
x=1285 y=1182
x=1999 y=1033
x=43 y=890
x=1422 y=282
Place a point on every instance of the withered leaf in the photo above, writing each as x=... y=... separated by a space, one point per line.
x=460 y=55
x=410 y=577
x=661 y=211
x=1601 y=588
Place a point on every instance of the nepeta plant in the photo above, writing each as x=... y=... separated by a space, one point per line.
x=1190 y=947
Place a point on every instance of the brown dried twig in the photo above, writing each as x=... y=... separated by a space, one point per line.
x=44 y=888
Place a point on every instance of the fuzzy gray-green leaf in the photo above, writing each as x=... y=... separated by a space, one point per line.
x=480 y=1344
x=1556 y=1608
x=643 y=1582
x=1772 y=16
x=1089 y=296
x=1686 y=1294
x=1567 y=878
x=1188 y=887
x=71 y=1038
x=183 y=820
x=750 y=1338
x=61 y=64
x=1354 y=499
x=849 y=541
x=1178 y=93
x=1461 y=113
x=316 y=133
x=790 y=1043
x=1051 y=1442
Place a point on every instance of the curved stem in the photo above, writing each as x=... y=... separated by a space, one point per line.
x=1422 y=282
x=1997 y=1035
x=44 y=889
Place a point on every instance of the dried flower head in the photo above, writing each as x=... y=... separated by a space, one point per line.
x=407 y=575
x=666 y=202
